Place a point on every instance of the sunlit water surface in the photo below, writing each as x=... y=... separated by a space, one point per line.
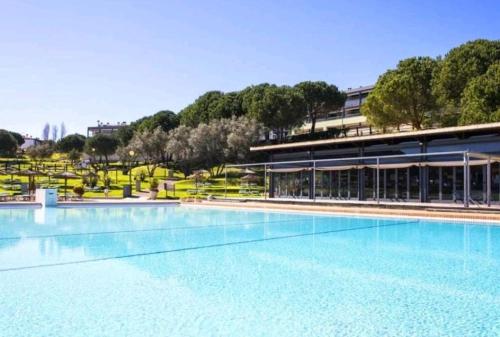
x=186 y=271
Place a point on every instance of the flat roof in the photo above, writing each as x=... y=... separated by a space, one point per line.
x=382 y=136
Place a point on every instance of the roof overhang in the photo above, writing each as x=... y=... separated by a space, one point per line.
x=380 y=137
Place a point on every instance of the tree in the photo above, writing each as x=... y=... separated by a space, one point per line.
x=481 y=98
x=74 y=156
x=180 y=147
x=8 y=144
x=208 y=142
x=403 y=95
x=459 y=66
x=41 y=152
x=18 y=137
x=228 y=106
x=212 y=105
x=63 y=130
x=165 y=119
x=243 y=132
x=320 y=99
x=101 y=145
x=151 y=147
x=54 y=132
x=125 y=134
x=46 y=131
x=278 y=108
x=210 y=146
x=71 y=142
x=202 y=110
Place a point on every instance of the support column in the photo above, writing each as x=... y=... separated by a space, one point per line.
x=396 y=188
x=385 y=184
x=265 y=181
x=466 y=179
x=313 y=182
x=330 y=183
x=377 y=193
x=312 y=178
x=488 y=182
x=423 y=174
x=348 y=184
x=454 y=184
x=339 y=193
x=440 y=171
x=361 y=176
x=408 y=183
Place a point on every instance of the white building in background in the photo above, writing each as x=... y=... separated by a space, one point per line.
x=30 y=141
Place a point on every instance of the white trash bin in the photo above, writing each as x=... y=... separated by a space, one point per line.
x=46 y=196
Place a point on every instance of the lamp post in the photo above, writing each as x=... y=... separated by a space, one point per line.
x=131 y=154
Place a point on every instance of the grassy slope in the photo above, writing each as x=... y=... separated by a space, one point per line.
x=183 y=187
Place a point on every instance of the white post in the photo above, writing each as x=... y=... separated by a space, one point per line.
x=265 y=181
x=378 y=180
x=314 y=181
x=488 y=182
x=466 y=179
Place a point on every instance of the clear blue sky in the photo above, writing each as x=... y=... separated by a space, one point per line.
x=83 y=61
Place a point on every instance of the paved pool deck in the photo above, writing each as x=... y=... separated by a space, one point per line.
x=439 y=211
x=471 y=214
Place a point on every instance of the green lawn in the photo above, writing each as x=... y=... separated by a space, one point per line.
x=183 y=187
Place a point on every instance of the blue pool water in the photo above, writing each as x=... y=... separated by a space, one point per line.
x=187 y=271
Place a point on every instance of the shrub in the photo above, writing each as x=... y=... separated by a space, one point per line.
x=79 y=190
x=153 y=185
x=90 y=181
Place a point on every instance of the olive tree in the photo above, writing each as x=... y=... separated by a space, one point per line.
x=150 y=146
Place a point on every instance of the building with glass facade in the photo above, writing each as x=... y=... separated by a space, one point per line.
x=447 y=165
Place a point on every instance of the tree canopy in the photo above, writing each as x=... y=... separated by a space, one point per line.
x=71 y=142
x=150 y=146
x=210 y=146
x=202 y=110
x=320 y=99
x=166 y=120
x=481 y=98
x=18 y=137
x=101 y=145
x=277 y=108
x=403 y=95
x=8 y=143
x=459 y=66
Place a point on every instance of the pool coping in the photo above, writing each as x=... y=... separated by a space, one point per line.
x=485 y=218
x=94 y=203
x=471 y=215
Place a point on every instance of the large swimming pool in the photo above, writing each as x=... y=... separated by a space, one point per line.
x=198 y=271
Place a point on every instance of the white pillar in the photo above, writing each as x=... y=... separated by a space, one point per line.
x=265 y=181
x=314 y=181
x=466 y=179
x=378 y=181
x=488 y=182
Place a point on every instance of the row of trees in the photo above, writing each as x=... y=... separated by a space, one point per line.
x=461 y=88
x=55 y=132
x=277 y=107
x=207 y=146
